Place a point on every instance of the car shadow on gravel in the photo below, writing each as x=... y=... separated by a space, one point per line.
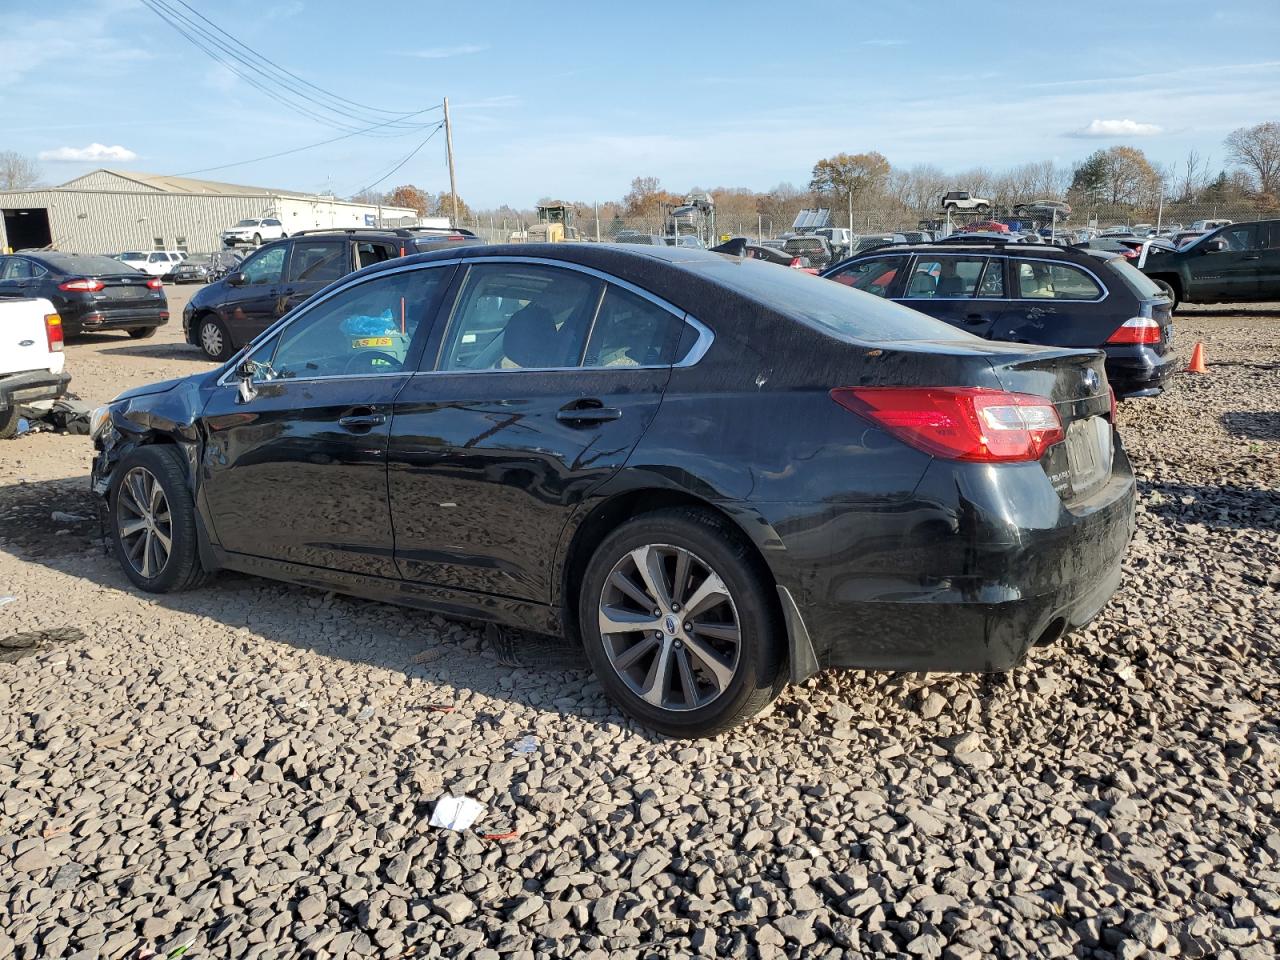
x=1232 y=310
x=1227 y=506
x=1254 y=424
x=161 y=351
x=56 y=524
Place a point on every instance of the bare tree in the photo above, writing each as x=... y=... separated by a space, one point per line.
x=17 y=170
x=1257 y=150
x=1188 y=180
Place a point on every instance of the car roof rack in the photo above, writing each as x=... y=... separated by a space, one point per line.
x=393 y=231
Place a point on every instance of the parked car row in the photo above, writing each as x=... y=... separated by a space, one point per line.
x=89 y=292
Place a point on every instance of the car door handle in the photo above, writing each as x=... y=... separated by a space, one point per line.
x=362 y=419
x=974 y=317
x=1253 y=256
x=586 y=412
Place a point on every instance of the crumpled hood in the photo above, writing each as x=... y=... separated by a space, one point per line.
x=147 y=389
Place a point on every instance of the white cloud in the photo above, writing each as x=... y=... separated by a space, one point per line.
x=441 y=53
x=1118 y=128
x=284 y=11
x=93 y=153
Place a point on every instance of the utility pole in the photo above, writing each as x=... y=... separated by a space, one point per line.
x=453 y=183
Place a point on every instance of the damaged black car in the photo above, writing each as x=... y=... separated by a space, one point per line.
x=717 y=474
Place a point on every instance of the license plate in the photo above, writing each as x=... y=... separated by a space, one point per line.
x=371 y=342
x=1089 y=452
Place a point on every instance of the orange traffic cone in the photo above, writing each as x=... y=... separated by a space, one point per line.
x=1197 y=359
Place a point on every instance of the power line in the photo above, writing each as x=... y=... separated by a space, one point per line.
x=412 y=153
x=282 y=85
x=285 y=153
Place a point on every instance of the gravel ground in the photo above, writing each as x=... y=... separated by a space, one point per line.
x=252 y=767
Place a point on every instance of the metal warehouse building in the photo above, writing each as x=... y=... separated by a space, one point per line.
x=110 y=211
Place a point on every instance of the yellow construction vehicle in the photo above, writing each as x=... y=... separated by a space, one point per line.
x=555 y=224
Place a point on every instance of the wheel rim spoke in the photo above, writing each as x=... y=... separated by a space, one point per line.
x=146 y=555
x=716 y=631
x=655 y=686
x=709 y=593
x=628 y=586
x=687 y=681
x=133 y=526
x=617 y=620
x=680 y=581
x=649 y=565
x=634 y=652
x=721 y=672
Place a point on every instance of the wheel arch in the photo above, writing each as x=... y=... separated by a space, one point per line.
x=602 y=517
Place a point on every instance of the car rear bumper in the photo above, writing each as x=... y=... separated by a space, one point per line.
x=1139 y=371
x=116 y=318
x=32 y=385
x=976 y=567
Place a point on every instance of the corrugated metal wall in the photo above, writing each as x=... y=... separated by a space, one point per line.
x=99 y=221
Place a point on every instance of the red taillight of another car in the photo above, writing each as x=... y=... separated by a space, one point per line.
x=960 y=423
x=795 y=263
x=82 y=285
x=155 y=283
x=53 y=331
x=1136 y=330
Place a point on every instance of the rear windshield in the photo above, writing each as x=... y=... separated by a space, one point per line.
x=1142 y=286
x=831 y=307
x=90 y=265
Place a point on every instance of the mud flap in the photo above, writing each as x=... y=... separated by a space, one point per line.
x=803 y=660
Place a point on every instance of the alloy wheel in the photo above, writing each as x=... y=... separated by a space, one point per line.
x=669 y=627
x=144 y=522
x=211 y=339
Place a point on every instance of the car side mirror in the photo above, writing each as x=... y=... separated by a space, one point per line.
x=1215 y=245
x=235 y=279
x=246 y=370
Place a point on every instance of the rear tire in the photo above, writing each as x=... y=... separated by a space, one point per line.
x=257 y=240
x=983 y=208
x=721 y=665
x=213 y=339
x=141 y=333
x=9 y=423
x=153 y=521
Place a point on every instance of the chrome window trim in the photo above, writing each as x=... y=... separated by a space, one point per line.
x=302 y=311
x=699 y=349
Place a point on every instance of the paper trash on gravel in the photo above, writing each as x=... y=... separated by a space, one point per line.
x=59 y=517
x=527 y=744
x=456 y=813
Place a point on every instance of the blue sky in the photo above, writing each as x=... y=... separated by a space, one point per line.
x=575 y=99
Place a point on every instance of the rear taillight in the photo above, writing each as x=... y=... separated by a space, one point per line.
x=960 y=423
x=795 y=263
x=155 y=283
x=53 y=331
x=1130 y=254
x=1136 y=330
x=83 y=285
x=1115 y=408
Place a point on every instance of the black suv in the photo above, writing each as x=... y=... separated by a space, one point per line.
x=229 y=313
x=1238 y=263
x=1042 y=294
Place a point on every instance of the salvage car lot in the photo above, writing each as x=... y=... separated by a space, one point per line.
x=254 y=765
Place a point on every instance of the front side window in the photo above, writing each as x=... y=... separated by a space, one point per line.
x=361 y=331
x=871 y=276
x=1038 y=280
x=630 y=331
x=265 y=267
x=159 y=258
x=514 y=316
x=945 y=278
x=1238 y=239
x=317 y=261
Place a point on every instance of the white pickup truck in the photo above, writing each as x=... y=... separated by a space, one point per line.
x=31 y=358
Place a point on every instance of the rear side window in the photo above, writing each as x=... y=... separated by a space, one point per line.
x=1040 y=280
x=1271 y=235
x=369 y=252
x=630 y=331
x=317 y=261
x=15 y=268
x=1142 y=286
x=520 y=316
x=944 y=278
x=871 y=276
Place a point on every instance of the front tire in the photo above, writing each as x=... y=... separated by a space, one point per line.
x=153 y=525
x=9 y=423
x=257 y=239
x=984 y=208
x=141 y=333
x=214 y=339
x=678 y=623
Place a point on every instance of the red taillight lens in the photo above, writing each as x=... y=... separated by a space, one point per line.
x=1136 y=330
x=1114 y=406
x=53 y=331
x=960 y=423
x=1131 y=254
x=81 y=286
x=155 y=283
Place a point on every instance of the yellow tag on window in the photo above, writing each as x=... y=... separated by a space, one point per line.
x=371 y=342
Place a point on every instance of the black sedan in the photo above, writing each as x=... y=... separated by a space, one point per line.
x=718 y=474
x=1048 y=295
x=89 y=292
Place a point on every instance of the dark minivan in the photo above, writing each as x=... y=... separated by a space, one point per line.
x=1043 y=294
x=89 y=292
x=227 y=314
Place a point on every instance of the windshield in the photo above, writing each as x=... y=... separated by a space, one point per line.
x=1142 y=286
x=247 y=223
x=126 y=257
